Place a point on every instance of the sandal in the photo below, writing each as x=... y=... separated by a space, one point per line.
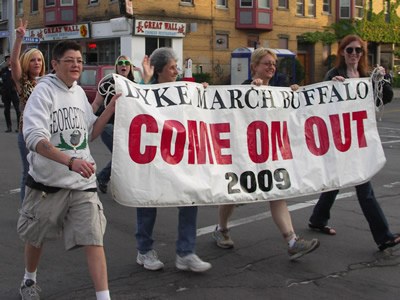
x=323 y=229
x=390 y=243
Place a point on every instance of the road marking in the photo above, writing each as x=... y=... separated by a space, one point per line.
x=14 y=191
x=391 y=142
x=265 y=215
x=390 y=128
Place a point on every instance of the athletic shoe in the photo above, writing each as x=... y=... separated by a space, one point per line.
x=102 y=186
x=302 y=247
x=29 y=290
x=149 y=260
x=191 y=262
x=223 y=238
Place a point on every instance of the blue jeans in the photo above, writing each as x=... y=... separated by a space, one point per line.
x=23 y=151
x=370 y=207
x=185 y=244
x=107 y=137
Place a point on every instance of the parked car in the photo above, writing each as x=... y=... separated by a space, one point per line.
x=91 y=76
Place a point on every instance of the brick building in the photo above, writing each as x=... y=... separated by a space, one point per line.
x=205 y=31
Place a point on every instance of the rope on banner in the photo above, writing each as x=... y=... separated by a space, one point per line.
x=106 y=87
x=377 y=77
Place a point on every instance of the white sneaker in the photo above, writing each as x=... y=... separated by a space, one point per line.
x=191 y=262
x=149 y=260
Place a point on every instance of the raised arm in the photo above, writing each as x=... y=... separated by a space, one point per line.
x=148 y=70
x=104 y=117
x=97 y=102
x=16 y=71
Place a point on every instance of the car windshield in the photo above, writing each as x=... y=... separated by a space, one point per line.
x=88 y=77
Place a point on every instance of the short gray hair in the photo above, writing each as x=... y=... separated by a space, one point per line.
x=160 y=57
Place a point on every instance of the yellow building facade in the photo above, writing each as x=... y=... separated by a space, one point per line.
x=207 y=32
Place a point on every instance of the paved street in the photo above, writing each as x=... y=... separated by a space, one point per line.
x=346 y=266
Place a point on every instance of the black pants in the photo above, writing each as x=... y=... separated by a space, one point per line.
x=7 y=109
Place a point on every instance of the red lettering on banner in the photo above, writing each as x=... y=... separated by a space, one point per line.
x=321 y=128
x=359 y=116
x=219 y=144
x=197 y=144
x=277 y=140
x=135 y=139
x=172 y=150
x=166 y=142
x=337 y=132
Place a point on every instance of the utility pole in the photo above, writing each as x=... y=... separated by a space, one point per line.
x=11 y=22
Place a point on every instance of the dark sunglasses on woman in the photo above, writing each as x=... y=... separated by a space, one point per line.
x=349 y=50
x=123 y=63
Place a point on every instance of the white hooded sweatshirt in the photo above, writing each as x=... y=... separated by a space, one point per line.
x=64 y=117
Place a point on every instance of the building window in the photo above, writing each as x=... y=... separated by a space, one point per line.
x=221 y=3
x=359 y=9
x=221 y=41
x=60 y=12
x=311 y=8
x=34 y=6
x=283 y=43
x=252 y=14
x=246 y=3
x=67 y=2
x=326 y=8
x=283 y=4
x=264 y=4
x=187 y=1
x=93 y=1
x=20 y=7
x=155 y=43
x=386 y=9
x=49 y=3
x=253 y=41
x=300 y=7
x=344 y=9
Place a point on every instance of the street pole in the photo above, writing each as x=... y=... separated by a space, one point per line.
x=11 y=23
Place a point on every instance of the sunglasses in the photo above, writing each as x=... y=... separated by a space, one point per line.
x=349 y=50
x=123 y=63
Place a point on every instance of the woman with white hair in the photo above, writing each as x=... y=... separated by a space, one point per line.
x=164 y=61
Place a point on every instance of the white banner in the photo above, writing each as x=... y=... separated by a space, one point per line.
x=177 y=144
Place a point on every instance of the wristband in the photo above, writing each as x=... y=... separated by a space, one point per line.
x=70 y=162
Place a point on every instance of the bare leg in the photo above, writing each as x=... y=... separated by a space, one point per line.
x=282 y=219
x=224 y=214
x=96 y=260
x=32 y=257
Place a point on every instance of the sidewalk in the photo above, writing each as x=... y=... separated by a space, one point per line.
x=396 y=93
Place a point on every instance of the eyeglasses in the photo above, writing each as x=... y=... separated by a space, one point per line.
x=269 y=64
x=70 y=61
x=349 y=50
x=123 y=63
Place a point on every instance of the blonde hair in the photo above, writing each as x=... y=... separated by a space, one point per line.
x=24 y=61
x=131 y=75
x=258 y=55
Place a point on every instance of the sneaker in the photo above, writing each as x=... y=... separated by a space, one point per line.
x=149 y=260
x=302 y=247
x=191 y=262
x=102 y=186
x=29 y=290
x=223 y=238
